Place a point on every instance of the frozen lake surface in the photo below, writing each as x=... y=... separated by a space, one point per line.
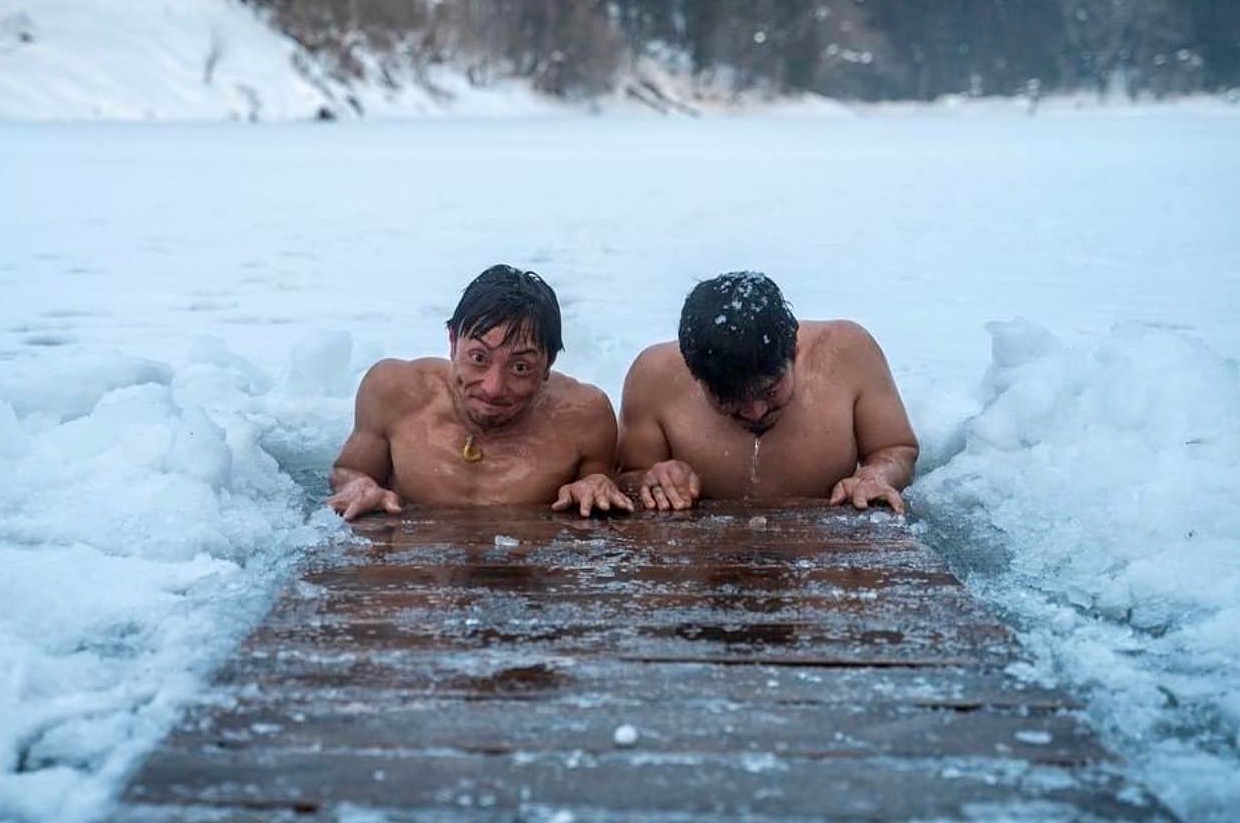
x=187 y=310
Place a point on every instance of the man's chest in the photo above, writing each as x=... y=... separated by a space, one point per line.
x=801 y=455
x=443 y=464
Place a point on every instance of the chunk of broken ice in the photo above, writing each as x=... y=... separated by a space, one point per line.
x=625 y=735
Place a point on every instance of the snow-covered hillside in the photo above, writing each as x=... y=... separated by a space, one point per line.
x=212 y=60
x=200 y=60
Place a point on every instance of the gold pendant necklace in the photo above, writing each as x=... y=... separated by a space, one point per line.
x=471 y=452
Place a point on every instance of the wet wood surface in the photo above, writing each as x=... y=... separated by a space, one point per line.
x=776 y=662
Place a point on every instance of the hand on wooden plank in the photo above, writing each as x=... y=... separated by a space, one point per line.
x=670 y=485
x=865 y=486
x=361 y=495
x=595 y=491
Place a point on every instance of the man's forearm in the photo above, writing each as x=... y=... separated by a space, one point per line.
x=894 y=465
x=342 y=476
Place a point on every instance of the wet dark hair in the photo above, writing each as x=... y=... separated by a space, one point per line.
x=504 y=294
x=737 y=331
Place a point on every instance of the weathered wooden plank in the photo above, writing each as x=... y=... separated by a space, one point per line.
x=451 y=611
x=707 y=725
x=675 y=593
x=610 y=545
x=517 y=674
x=716 y=603
x=819 y=642
x=469 y=536
x=732 y=786
x=774 y=625
x=464 y=525
x=703 y=578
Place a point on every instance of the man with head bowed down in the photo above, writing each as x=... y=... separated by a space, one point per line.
x=749 y=402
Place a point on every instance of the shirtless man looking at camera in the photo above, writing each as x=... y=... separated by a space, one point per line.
x=751 y=403
x=492 y=424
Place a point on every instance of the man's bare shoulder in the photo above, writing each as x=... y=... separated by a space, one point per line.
x=655 y=380
x=575 y=396
x=402 y=384
x=658 y=362
x=830 y=341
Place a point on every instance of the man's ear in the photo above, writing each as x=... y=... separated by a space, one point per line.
x=451 y=344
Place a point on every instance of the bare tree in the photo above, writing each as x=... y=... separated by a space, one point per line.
x=1117 y=46
x=215 y=50
x=845 y=48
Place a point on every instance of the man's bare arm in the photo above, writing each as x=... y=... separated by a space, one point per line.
x=646 y=463
x=595 y=486
x=360 y=474
x=887 y=448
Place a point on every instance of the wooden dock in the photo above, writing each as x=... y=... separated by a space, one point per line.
x=761 y=662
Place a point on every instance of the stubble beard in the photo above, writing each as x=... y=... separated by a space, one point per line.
x=490 y=422
x=506 y=419
x=758 y=429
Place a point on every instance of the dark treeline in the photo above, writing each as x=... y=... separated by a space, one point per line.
x=853 y=49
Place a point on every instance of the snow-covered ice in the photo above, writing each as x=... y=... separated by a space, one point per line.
x=187 y=310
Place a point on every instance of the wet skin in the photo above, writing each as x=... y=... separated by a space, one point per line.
x=542 y=436
x=832 y=425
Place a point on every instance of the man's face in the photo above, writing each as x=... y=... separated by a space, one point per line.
x=497 y=382
x=762 y=406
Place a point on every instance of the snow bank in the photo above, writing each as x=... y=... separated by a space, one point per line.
x=1105 y=476
x=146 y=526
